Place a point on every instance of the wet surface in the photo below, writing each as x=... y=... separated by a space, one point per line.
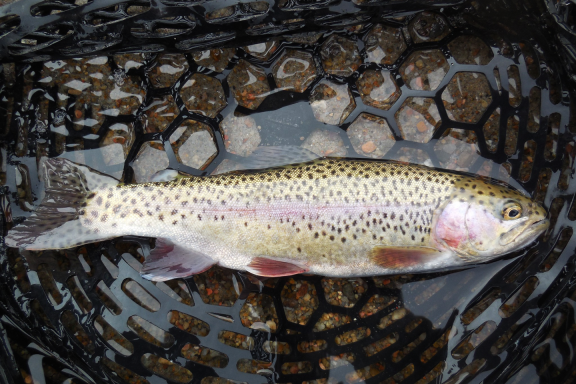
x=417 y=89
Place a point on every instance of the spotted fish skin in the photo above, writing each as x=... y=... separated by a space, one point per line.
x=331 y=217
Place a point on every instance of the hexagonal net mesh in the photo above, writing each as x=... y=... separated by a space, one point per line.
x=447 y=89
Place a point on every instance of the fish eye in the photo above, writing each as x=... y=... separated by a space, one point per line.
x=512 y=211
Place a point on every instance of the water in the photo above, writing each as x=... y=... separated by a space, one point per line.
x=455 y=96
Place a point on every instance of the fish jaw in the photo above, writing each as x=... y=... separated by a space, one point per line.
x=526 y=234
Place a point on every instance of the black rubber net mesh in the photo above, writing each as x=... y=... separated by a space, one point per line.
x=136 y=87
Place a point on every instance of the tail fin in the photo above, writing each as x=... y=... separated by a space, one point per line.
x=56 y=222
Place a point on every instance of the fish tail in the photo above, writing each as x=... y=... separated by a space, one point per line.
x=56 y=223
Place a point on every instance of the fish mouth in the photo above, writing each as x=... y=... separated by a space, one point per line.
x=522 y=235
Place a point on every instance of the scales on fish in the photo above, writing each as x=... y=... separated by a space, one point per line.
x=333 y=217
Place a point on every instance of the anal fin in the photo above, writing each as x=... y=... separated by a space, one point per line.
x=403 y=257
x=169 y=261
x=264 y=266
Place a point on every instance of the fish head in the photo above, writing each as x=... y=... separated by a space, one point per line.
x=481 y=221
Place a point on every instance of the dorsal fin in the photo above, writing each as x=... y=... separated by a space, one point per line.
x=277 y=156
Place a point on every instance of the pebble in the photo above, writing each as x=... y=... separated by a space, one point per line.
x=325 y=143
x=216 y=59
x=24 y=187
x=204 y=95
x=294 y=70
x=122 y=372
x=236 y=340
x=249 y=84
x=514 y=301
x=193 y=144
x=259 y=308
x=128 y=61
x=352 y=336
x=457 y=149
x=472 y=341
x=205 y=356
x=343 y=292
x=378 y=89
x=159 y=114
x=150 y=333
x=312 y=346
x=299 y=300
x=384 y=44
x=167 y=69
x=331 y=102
x=216 y=286
x=514 y=86
x=411 y=155
x=188 y=323
x=428 y=27
x=512 y=128
x=375 y=304
x=252 y=366
x=71 y=324
x=240 y=133
x=112 y=337
x=467 y=97
x=330 y=321
x=340 y=56
x=424 y=70
x=92 y=84
x=418 y=118
x=308 y=38
x=262 y=51
x=150 y=159
x=370 y=136
x=436 y=346
x=491 y=130
x=470 y=50
x=166 y=368
x=381 y=344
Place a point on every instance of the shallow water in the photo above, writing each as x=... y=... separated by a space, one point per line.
x=453 y=97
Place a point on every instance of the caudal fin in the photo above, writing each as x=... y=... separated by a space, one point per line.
x=56 y=222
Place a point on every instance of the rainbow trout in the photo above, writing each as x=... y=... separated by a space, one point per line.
x=333 y=217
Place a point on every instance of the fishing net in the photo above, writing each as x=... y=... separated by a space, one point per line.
x=137 y=87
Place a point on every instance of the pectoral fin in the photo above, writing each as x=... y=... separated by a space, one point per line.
x=169 y=261
x=264 y=266
x=403 y=257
